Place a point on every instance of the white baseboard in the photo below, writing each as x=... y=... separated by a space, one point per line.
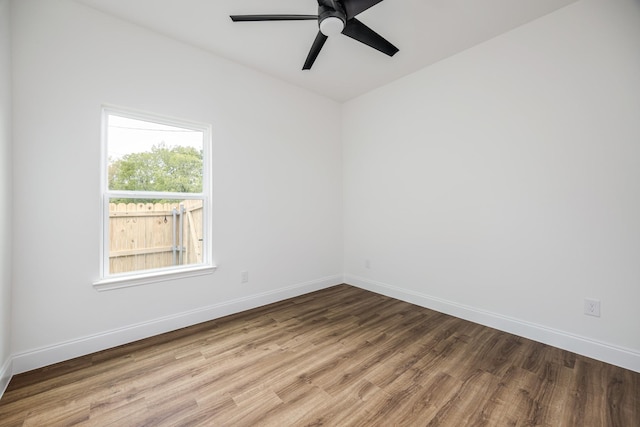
x=605 y=352
x=6 y=372
x=51 y=354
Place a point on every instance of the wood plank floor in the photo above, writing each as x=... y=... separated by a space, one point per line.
x=337 y=357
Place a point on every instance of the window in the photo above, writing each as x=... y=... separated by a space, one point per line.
x=156 y=198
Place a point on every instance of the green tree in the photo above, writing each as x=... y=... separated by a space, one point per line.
x=175 y=169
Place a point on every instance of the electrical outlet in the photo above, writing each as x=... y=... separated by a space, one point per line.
x=592 y=307
x=244 y=276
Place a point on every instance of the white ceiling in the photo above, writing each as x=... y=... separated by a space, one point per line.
x=425 y=31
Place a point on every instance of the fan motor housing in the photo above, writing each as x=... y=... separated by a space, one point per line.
x=325 y=12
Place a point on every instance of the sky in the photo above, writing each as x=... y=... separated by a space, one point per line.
x=126 y=136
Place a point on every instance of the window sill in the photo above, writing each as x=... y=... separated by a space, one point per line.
x=147 y=278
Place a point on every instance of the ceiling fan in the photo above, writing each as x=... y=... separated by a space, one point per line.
x=334 y=17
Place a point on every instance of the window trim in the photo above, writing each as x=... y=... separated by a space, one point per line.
x=155 y=276
x=142 y=277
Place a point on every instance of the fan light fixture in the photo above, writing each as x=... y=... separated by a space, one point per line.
x=331 y=26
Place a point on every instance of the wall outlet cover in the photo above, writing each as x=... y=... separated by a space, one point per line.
x=592 y=307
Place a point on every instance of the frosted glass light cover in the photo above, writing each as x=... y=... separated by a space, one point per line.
x=331 y=26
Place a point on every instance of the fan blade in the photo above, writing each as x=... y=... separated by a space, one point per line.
x=315 y=50
x=247 y=18
x=358 y=31
x=354 y=7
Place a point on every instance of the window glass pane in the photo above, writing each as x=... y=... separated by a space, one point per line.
x=148 y=156
x=152 y=235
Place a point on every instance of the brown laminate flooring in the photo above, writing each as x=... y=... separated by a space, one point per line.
x=341 y=356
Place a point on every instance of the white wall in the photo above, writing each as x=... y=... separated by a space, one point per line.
x=5 y=194
x=503 y=184
x=276 y=178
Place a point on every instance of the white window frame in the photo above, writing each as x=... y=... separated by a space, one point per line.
x=109 y=281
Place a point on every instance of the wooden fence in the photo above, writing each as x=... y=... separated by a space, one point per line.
x=144 y=236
